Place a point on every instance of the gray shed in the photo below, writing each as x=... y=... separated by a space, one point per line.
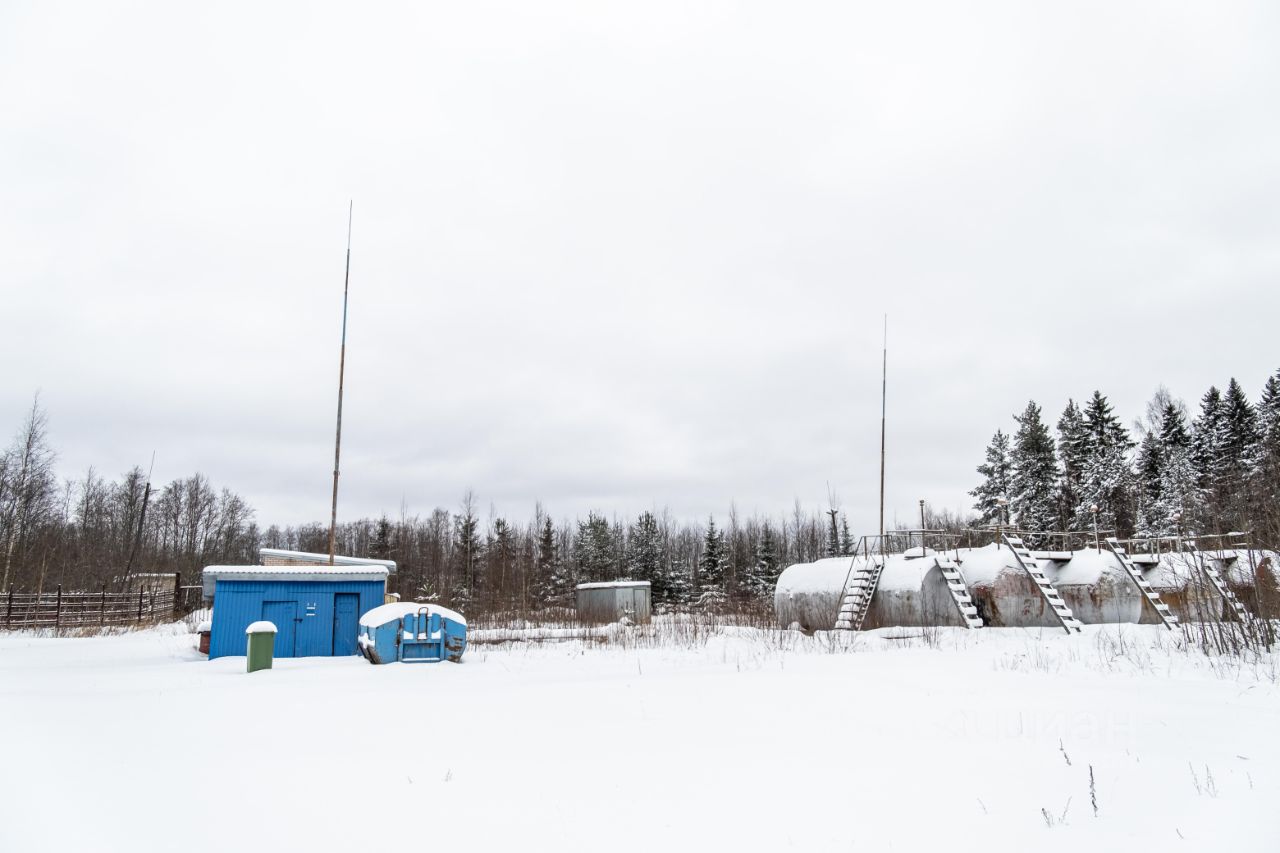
x=612 y=600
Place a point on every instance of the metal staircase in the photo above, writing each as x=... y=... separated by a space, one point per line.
x=859 y=586
x=1219 y=583
x=959 y=590
x=1148 y=592
x=1052 y=597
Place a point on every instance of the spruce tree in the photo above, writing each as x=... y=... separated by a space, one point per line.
x=833 y=534
x=996 y=473
x=380 y=547
x=500 y=553
x=678 y=582
x=594 y=549
x=1240 y=435
x=1107 y=479
x=1269 y=415
x=644 y=554
x=1267 y=486
x=1033 y=473
x=1150 y=467
x=1240 y=458
x=1173 y=428
x=762 y=577
x=1178 y=506
x=466 y=539
x=711 y=565
x=1166 y=474
x=1206 y=439
x=1072 y=456
x=846 y=538
x=555 y=582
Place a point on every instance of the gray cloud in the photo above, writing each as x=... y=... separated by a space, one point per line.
x=610 y=256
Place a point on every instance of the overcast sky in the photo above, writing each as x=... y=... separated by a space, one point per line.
x=623 y=255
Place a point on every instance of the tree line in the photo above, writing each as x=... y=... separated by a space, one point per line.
x=1215 y=472
x=88 y=533
x=1175 y=473
x=491 y=564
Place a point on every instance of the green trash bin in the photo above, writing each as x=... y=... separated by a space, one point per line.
x=262 y=645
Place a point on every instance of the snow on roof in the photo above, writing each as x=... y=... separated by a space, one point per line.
x=294 y=573
x=385 y=613
x=323 y=559
x=613 y=585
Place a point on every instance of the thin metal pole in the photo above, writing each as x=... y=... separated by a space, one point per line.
x=342 y=363
x=884 y=386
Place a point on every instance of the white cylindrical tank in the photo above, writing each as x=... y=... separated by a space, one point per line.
x=911 y=593
x=1193 y=598
x=1097 y=588
x=808 y=595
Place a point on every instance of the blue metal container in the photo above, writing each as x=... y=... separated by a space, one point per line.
x=316 y=613
x=412 y=633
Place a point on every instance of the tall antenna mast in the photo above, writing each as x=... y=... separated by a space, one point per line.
x=342 y=364
x=884 y=387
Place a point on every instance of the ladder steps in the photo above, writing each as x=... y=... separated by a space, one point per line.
x=959 y=591
x=1148 y=592
x=857 y=597
x=1030 y=565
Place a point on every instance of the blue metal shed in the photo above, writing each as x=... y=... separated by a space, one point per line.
x=316 y=609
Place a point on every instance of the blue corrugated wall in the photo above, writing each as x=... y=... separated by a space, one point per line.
x=237 y=604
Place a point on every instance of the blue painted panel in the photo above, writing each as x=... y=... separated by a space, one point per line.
x=346 y=607
x=238 y=603
x=282 y=614
x=415 y=638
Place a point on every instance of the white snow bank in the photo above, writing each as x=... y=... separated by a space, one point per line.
x=385 y=613
x=261 y=627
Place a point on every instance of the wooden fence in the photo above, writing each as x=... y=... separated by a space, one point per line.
x=60 y=609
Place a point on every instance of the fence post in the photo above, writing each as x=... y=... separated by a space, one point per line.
x=8 y=614
x=57 y=614
x=102 y=610
x=177 y=590
x=142 y=597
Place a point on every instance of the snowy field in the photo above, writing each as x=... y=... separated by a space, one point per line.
x=747 y=741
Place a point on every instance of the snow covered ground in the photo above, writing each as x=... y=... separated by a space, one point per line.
x=750 y=741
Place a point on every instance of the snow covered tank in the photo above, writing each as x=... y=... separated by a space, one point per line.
x=412 y=633
x=1097 y=588
x=911 y=593
x=807 y=595
x=1192 y=596
x=1005 y=595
